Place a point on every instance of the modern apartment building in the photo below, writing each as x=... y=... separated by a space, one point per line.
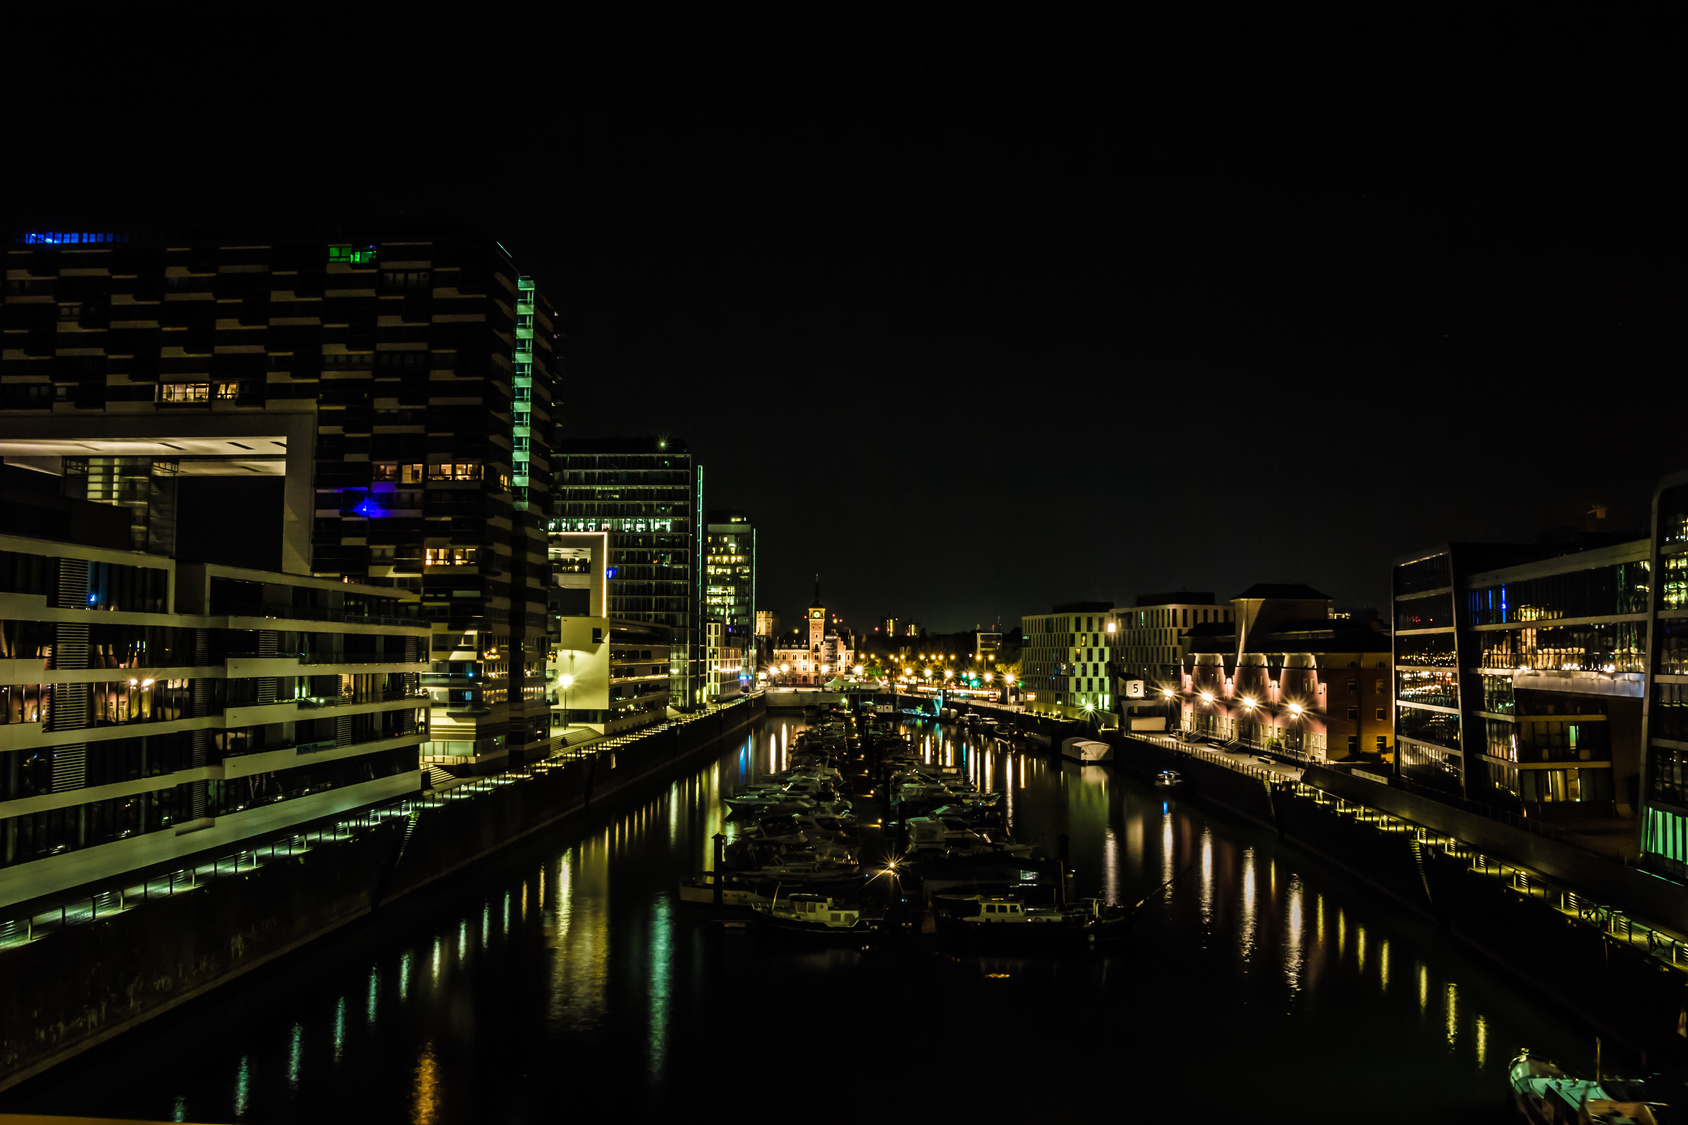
x=1664 y=794
x=1154 y=635
x=391 y=397
x=606 y=675
x=1520 y=672
x=151 y=709
x=647 y=493
x=1064 y=659
x=729 y=591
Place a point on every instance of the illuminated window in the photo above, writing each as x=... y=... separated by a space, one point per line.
x=352 y=255
x=184 y=392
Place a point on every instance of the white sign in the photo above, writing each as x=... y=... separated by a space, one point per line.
x=1134 y=689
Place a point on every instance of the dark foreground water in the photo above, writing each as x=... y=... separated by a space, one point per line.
x=565 y=979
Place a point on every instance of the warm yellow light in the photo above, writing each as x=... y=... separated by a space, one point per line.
x=1248 y=704
x=566 y=680
x=1207 y=697
x=1295 y=709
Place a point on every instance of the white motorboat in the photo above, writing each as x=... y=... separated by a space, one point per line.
x=813 y=914
x=1087 y=751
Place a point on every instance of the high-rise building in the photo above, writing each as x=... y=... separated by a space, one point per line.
x=391 y=398
x=729 y=590
x=648 y=494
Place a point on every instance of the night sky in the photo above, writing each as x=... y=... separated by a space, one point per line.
x=972 y=328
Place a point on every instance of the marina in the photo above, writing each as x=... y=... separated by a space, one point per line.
x=576 y=960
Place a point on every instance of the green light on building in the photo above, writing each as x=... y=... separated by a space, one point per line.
x=352 y=255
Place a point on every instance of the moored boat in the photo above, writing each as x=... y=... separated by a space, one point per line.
x=1546 y=1095
x=814 y=915
x=1010 y=921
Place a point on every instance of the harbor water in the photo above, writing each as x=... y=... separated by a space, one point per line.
x=565 y=977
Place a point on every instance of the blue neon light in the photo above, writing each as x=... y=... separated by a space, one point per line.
x=70 y=238
x=369 y=509
x=609 y=572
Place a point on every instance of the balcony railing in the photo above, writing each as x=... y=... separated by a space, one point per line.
x=351 y=699
x=315 y=613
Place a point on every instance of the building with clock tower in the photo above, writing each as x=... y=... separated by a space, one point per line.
x=815 y=656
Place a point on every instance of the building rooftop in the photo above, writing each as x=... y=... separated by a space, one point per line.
x=1178 y=597
x=1286 y=590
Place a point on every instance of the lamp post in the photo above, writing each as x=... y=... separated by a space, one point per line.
x=565 y=681
x=1295 y=712
x=1171 y=724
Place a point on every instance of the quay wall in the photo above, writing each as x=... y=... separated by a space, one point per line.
x=85 y=984
x=1615 y=986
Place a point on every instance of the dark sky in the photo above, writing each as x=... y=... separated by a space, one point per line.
x=1075 y=314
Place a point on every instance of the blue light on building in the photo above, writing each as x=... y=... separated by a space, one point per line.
x=69 y=238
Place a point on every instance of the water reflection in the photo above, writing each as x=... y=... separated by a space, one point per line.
x=1245 y=943
x=1293 y=964
x=613 y=977
x=426 y=1105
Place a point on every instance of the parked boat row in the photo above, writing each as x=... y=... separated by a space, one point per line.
x=928 y=858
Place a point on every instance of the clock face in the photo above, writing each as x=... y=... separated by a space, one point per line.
x=815 y=613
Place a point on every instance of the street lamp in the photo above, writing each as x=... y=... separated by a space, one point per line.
x=565 y=681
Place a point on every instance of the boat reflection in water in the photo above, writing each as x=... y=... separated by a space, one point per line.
x=564 y=974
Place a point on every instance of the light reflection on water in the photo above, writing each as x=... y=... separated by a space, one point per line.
x=1293 y=963
x=1246 y=939
x=615 y=977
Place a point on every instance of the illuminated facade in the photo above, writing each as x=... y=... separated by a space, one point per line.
x=151 y=709
x=1275 y=671
x=1064 y=659
x=648 y=494
x=397 y=393
x=729 y=591
x=1664 y=820
x=605 y=675
x=724 y=663
x=1154 y=635
x=1520 y=673
x=817 y=653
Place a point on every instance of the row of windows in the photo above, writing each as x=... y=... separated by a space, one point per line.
x=1670 y=712
x=1598 y=592
x=1615 y=647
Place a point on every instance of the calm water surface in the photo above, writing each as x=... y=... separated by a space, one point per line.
x=565 y=977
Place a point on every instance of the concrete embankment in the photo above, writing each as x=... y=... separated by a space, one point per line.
x=85 y=984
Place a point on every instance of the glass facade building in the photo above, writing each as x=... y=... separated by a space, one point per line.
x=1519 y=673
x=1664 y=821
x=730 y=577
x=648 y=494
